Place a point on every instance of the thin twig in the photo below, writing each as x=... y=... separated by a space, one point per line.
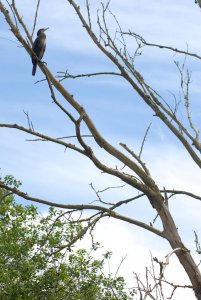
x=10 y=5
x=108 y=212
x=144 y=140
x=35 y=19
x=21 y=22
x=66 y=75
x=56 y=102
x=88 y=12
x=59 y=138
x=136 y=157
x=30 y=123
x=43 y=136
x=176 y=50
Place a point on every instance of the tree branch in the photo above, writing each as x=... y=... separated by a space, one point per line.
x=108 y=212
x=35 y=19
x=67 y=75
x=43 y=136
x=144 y=42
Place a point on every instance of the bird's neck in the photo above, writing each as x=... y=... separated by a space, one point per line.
x=42 y=36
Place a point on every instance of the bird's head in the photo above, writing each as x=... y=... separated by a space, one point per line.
x=42 y=30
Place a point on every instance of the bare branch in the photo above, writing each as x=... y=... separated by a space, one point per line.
x=21 y=22
x=149 y=98
x=43 y=136
x=185 y=83
x=29 y=120
x=137 y=157
x=144 y=42
x=111 y=187
x=66 y=75
x=126 y=201
x=144 y=140
x=179 y=192
x=35 y=19
x=56 y=102
x=79 y=236
x=88 y=12
x=197 y=243
x=98 y=196
x=108 y=212
x=12 y=13
x=60 y=138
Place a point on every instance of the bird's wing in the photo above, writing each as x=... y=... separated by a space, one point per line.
x=44 y=47
x=39 y=47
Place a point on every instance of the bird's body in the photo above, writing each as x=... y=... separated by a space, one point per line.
x=38 y=48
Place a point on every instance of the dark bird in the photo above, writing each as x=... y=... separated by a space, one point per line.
x=38 y=48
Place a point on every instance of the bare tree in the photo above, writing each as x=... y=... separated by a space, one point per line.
x=135 y=172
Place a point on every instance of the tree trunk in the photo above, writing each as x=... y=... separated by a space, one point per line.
x=184 y=256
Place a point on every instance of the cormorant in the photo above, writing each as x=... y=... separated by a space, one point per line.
x=38 y=48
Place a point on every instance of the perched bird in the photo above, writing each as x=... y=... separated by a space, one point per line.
x=38 y=48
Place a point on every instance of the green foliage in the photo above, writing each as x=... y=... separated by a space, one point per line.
x=11 y=181
x=32 y=268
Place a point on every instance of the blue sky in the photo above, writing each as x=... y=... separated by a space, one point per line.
x=50 y=173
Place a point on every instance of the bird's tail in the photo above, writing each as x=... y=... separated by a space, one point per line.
x=34 y=69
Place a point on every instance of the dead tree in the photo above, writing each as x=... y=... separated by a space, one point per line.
x=135 y=172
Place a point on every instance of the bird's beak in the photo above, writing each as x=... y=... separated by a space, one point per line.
x=46 y=28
